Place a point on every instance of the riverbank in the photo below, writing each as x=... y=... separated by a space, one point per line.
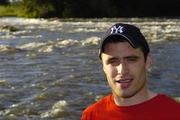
x=11 y=10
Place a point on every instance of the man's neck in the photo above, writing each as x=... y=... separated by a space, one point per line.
x=136 y=99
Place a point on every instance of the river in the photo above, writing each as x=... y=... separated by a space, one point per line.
x=49 y=68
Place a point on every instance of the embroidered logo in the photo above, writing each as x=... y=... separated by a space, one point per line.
x=116 y=29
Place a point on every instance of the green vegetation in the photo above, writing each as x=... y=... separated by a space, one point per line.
x=91 y=8
x=10 y=10
x=38 y=8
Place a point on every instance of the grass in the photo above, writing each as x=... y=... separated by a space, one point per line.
x=11 y=10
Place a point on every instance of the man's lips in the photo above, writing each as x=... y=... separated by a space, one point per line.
x=125 y=82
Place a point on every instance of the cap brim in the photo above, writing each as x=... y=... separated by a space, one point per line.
x=126 y=38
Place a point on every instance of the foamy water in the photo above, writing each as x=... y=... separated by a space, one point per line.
x=50 y=68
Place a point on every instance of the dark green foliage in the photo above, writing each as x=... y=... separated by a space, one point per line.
x=100 y=8
x=38 y=8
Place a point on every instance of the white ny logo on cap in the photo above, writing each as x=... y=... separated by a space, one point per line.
x=116 y=29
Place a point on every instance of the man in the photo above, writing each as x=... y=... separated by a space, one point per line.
x=125 y=58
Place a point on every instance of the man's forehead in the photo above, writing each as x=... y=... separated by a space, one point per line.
x=118 y=46
x=109 y=56
x=114 y=52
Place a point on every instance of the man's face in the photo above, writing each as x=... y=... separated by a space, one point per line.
x=125 y=69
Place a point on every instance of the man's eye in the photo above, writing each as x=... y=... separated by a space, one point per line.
x=113 y=62
x=132 y=59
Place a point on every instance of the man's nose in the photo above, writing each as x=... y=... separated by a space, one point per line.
x=122 y=68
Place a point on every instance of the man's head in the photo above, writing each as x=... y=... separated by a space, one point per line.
x=125 y=57
x=125 y=32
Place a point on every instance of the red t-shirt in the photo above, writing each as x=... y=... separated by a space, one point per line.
x=160 y=107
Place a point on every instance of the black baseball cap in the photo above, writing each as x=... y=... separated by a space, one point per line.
x=130 y=33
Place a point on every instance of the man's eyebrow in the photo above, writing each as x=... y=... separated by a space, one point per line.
x=112 y=58
x=129 y=56
x=132 y=56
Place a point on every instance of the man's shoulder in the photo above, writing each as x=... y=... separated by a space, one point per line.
x=168 y=101
x=166 y=98
x=102 y=103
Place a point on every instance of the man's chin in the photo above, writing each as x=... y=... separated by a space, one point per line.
x=124 y=95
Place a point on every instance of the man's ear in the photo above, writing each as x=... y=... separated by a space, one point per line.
x=148 y=61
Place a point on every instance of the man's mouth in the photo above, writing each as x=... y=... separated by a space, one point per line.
x=125 y=82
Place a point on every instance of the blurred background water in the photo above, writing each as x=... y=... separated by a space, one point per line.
x=49 y=68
